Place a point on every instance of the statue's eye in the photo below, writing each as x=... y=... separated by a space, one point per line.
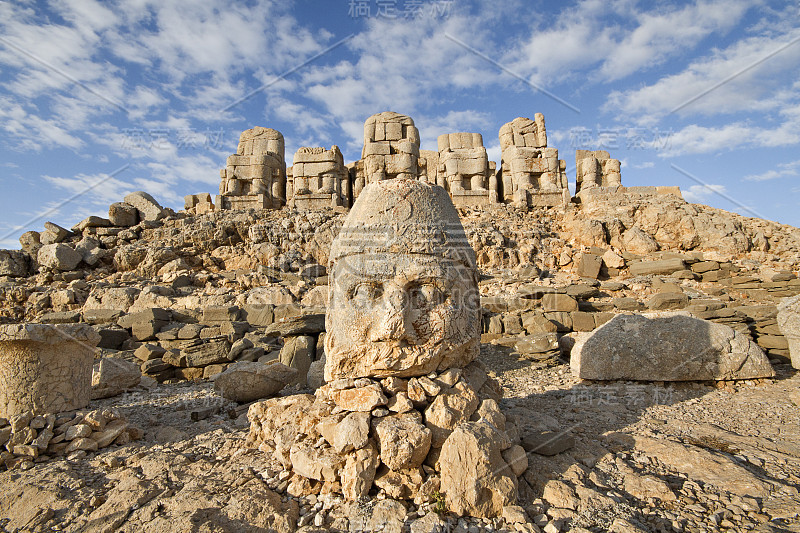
x=367 y=292
x=424 y=296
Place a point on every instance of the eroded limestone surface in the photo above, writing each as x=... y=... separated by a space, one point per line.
x=404 y=294
x=45 y=368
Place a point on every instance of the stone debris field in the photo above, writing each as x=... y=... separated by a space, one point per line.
x=418 y=341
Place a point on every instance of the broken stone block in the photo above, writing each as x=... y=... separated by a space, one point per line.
x=448 y=410
x=216 y=316
x=403 y=440
x=155 y=366
x=358 y=472
x=147 y=207
x=474 y=477
x=300 y=325
x=112 y=376
x=14 y=263
x=667 y=300
x=559 y=302
x=146 y=323
x=258 y=315
x=147 y=351
x=589 y=266
x=53 y=233
x=30 y=242
x=661 y=266
x=47 y=368
x=322 y=464
x=789 y=323
x=537 y=343
x=363 y=399
x=298 y=353
x=248 y=381
x=548 y=442
x=123 y=214
x=667 y=347
x=212 y=351
x=91 y=222
x=58 y=257
x=352 y=433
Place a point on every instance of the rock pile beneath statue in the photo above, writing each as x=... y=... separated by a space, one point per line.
x=412 y=439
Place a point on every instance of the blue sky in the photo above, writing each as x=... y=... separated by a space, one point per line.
x=100 y=99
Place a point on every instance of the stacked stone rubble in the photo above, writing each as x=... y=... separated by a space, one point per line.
x=198 y=204
x=318 y=179
x=255 y=176
x=391 y=149
x=30 y=437
x=531 y=173
x=596 y=169
x=467 y=173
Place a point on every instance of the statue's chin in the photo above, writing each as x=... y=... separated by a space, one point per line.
x=380 y=360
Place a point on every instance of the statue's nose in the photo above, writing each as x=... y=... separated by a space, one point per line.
x=394 y=324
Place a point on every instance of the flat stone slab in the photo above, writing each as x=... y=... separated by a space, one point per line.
x=49 y=333
x=299 y=325
x=667 y=347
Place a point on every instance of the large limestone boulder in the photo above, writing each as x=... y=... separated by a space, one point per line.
x=146 y=205
x=476 y=480
x=248 y=381
x=667 y=347
x=123 y=214
x=45 y=368
x=112 y=376
x=403 y=439
x=789 y=322
x=13 y=263
x=58 y=257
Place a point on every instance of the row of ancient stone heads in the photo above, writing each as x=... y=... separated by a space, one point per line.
x=531 y=173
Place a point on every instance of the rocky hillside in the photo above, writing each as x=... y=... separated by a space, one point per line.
x=182 y=296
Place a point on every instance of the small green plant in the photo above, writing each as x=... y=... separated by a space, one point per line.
x=439 y=505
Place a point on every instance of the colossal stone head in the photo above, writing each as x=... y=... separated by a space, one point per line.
x=403 y=297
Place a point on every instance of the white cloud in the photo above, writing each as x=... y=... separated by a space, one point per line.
x=699 y=193
x=661 y=35
x=615 y=39
x=99 y=189
x=784 y=170
x=32 y=132
x=407 y=66
x=467 y=120
x=645 y=164
x=759 y=78
x=695 y=139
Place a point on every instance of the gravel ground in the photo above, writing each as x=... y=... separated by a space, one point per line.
x=191 y=472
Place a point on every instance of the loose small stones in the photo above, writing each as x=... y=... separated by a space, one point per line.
x=37 y=438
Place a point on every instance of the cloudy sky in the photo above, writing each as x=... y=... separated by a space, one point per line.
x=98 y=99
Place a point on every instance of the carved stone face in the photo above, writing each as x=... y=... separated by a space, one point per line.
x=394 y=310
x=400 y=315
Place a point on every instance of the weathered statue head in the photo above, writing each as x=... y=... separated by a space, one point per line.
x=403 y=295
